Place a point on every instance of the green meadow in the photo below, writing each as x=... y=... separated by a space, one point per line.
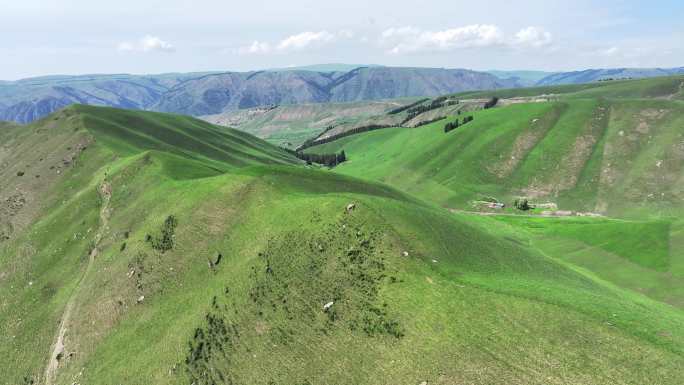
x=187 y=253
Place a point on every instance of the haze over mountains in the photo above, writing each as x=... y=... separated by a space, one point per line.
x=197 y=94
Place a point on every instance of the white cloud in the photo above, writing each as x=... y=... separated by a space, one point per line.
x=305 y=40
x=532 y=37
x=346 y=34
x=255 y=48
x=296 y=43
x=406 y=40
x=411 y=40
x=147 y=44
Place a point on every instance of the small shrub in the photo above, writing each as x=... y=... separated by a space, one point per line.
x=165 y=241
x=522 y=204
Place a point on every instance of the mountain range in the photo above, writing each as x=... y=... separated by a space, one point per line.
x=208 y=93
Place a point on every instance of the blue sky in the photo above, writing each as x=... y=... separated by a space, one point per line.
x=153 y=36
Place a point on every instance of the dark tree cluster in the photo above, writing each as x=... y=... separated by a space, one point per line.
x=614 y=79
x=491 y=103
x=522 y=204
x=406 y=107
x=441 y=101
x=452 y=125
x=330 y=160
x=165 y=241
x=424 y=122
x=315 y=142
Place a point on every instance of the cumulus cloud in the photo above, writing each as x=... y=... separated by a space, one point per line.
x=406 y=40
x=411 y=40
x=296 y=43
x=147 y=44
x=532 y=37
x=305 y=40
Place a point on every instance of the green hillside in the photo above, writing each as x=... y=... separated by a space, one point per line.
x=617 y=156
x=612 y=149
x=661 y=87
x=159 y=249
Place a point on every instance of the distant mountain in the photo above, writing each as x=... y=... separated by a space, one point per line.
x=26 y=100
x=211 y=93
x=592 y=75
x=216 y=93
x=327 y=67
x=197 y=94
x=525 y=78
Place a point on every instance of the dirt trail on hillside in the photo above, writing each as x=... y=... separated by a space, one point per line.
x=57 y=352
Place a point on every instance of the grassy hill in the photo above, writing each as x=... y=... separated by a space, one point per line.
x=613 y=148
x=162 y=249
x=669 y=87
x=599 y=150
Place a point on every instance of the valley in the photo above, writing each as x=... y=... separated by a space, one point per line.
x=341 y=193
x=143 y=247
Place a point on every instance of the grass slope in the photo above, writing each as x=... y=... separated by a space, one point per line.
x=619 y=157
x=233 y=288
x=613 y=148
x=664 y=87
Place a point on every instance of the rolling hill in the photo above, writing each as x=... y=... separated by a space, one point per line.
x=609 y=148
x=153 y=248
x=613 y=150
x=592 y=75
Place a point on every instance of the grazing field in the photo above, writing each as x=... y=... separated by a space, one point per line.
x=170 y=251
x=615 y=156
x=610 y=156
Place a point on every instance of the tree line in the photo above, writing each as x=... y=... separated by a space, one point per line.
x=491 y=103
x=439 y=102
x=330 y=160
x=424 y=122
x=313 y=142
x=406 y=107
x=452 y=125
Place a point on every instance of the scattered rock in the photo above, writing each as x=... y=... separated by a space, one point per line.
x=327 y=306
x=141 y=299
x=351 y=207
x=405 y=253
